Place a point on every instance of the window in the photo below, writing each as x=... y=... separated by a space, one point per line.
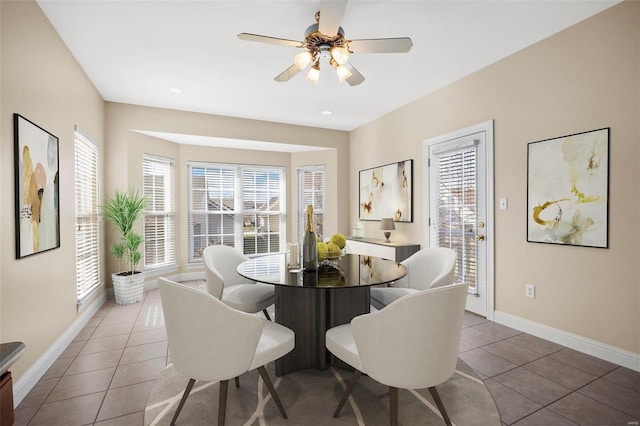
x=235 y=205
x=311 y=191
x=159 y=216
x=87 y=230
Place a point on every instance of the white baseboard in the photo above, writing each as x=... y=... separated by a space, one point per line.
x=591 y=347
x=34 y=374
x=153 y=283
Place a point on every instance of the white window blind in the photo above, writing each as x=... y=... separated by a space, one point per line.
x=235 y=205
x=86 y=212
x=159 y=216
x=311 y=191
x=457 y=209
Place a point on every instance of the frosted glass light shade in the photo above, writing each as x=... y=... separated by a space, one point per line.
x=343 y=72
x=303 y=59
x=340 y=55
x=313 y=75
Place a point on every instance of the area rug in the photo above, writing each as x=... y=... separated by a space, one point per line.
x=310 y=397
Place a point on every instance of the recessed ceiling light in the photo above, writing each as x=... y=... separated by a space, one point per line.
x=326 y=112
x=176 y=90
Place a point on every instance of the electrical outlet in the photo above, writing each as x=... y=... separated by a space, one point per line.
x=530 y=291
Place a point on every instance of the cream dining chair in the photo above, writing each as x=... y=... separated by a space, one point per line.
x=411 y=344
x=211 y=341
x=427 y=268
x=224 y=282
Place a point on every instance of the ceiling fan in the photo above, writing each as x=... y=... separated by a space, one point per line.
x=325 y=41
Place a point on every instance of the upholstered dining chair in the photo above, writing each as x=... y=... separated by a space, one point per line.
x=224 y=282
x=211 y=341
x=410 y=344
x=427 y=268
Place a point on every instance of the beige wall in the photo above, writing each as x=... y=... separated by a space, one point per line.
x=42 y=82
x=583 y=78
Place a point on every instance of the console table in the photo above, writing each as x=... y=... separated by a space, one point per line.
x=380 y=248
x=9 y=354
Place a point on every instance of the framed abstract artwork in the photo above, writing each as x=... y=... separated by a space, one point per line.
x=387 y=191
x=568 y=190
x=37 y=188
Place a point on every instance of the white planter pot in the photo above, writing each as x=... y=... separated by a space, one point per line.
x=128 y=289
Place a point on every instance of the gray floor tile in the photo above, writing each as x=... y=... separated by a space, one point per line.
x=144 y=352
x=470 y=319
x=511 y=352
x=534 y=387
x=616 y=396
x=498 y=330
x=535 y=344
x=137 y=372
x=486 y=363
x=477 y=337
x=545 y=417
x=559 y=372
x=75 y=411
x=39 y=393
x=586 y=411
x=135 y=419
x=81 y=384
x=112 y=330
x=125 y=400
x=625 y=377
x=511 y=405
x=58 y=368
x=73 y=349
x=22 y=416
x=84 y=334
x=583 y=361
x=104 y=344
x=97 y=361
x=143 y=337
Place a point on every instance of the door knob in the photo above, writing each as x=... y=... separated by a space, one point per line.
x=480 y=237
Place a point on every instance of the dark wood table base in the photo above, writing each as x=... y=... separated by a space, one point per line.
x=310 y=312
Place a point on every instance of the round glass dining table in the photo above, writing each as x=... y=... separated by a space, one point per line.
x=310 y=303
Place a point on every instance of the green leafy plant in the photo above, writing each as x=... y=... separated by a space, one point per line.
x=123 y=210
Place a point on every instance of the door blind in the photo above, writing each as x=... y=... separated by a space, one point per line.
x=86 y=214
x=457 y=210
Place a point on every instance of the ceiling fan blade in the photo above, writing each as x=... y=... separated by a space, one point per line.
x=287 y=74
x=270 y=40
x=356 y=78
x=331 y=12
x=381 y=45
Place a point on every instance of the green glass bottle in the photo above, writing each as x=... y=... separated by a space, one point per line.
x=309 y=242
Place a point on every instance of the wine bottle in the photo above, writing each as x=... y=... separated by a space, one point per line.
x=309 y=248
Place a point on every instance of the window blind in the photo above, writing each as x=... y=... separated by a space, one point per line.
x=159 y=215
x=457 y=209
x=236 y=205
x=311 y=191
x=86 y=215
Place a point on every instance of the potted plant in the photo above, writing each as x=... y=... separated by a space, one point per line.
x=123 y=210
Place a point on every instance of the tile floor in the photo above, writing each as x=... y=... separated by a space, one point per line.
x=104 y=376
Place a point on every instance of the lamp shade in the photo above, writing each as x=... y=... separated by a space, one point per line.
x=387 y=224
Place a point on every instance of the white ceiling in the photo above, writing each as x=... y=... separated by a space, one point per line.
x=135 y=51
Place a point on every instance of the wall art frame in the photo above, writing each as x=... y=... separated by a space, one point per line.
x=387 y=191
x=37 y=188
x=568 y=190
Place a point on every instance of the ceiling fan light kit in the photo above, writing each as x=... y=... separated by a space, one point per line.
x=335 y=50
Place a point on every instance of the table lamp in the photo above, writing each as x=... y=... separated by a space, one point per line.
x=387 y=225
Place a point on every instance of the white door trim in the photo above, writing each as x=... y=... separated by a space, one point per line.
x=486 y=127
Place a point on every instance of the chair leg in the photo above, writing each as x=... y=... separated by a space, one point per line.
x=267 y=381
x=393 y=406
x=185 y=395
x=266 y=314
x=237 y=380
x=222 y=402
x=352 y=383
x=436 y=398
